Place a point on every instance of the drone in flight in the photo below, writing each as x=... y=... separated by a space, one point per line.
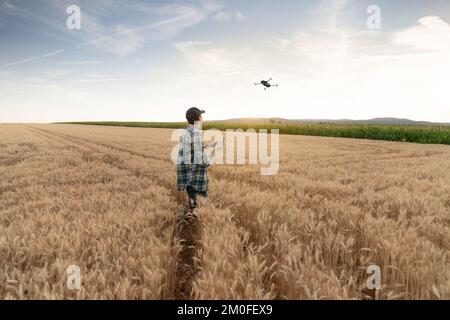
x=266 y=84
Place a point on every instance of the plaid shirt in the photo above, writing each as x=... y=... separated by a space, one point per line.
x=193 y=161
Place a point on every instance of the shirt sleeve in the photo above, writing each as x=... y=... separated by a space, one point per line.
x=185 y=148
x=201 y=157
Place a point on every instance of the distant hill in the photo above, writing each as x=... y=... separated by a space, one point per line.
x=375 y=121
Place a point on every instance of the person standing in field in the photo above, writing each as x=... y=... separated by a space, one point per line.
x=193 y=159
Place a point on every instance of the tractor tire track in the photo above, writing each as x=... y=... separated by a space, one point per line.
x=188 y=234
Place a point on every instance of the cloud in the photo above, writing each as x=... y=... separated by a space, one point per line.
x=328 y=13
x=224 y=16
x=121 y=43
x=150 y=22
x=169 y=20
x=210 y=62
x=78 y=63
x=431 y=34
x=240 y=16
x=321 y=46
x=43 y=56
x=7 y=8
x=180 y=17
x=57 y=73
x=204 y=56
x=100 y=79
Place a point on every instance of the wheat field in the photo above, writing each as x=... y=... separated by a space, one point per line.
x=105 y=199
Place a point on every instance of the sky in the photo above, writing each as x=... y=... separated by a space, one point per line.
x=142 y=60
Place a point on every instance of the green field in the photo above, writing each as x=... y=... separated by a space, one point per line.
x=401 y=133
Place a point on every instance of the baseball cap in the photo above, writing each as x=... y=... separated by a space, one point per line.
x=193 y=114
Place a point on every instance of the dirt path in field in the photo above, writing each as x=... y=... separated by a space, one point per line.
x=187 y=232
